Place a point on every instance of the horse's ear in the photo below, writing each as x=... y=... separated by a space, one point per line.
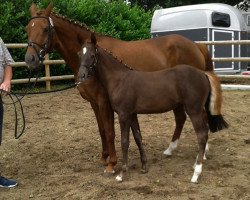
x=93 y=38
x=33 y=10
x=48 y=10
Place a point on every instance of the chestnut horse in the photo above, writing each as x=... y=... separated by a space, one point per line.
x=47 y=31
x=135 y=92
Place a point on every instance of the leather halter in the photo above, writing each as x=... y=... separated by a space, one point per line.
x=44 y=47
x=91 y=68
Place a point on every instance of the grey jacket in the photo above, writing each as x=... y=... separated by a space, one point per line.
x=5 y=58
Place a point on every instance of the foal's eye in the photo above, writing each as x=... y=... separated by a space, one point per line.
x=46 y=30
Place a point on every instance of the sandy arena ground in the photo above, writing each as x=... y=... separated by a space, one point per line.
x=58 y=155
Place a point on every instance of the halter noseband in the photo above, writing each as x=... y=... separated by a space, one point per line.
x=44 y=47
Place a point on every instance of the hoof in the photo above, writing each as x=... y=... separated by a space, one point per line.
x=194 y=181
x=118 y=178
x=144 y=171
x=167 y=153
x=109 y=173
x=109 y=170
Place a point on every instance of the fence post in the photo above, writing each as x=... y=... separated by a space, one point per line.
x=47 y=73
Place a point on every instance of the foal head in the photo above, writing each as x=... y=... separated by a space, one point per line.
x=87 y=59
x=40 y=31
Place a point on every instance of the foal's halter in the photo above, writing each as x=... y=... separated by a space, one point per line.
x=92 y=67
x=43 y=47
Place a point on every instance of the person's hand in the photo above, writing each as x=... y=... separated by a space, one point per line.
x=5 y=86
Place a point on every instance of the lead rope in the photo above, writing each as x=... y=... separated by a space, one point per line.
x=16 y=135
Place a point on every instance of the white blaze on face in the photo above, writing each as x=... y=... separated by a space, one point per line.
x=84 y=50
x=33 y=24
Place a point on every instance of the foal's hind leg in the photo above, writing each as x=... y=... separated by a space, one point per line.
x=180 y=118
x=201 y=129
x=138 y=139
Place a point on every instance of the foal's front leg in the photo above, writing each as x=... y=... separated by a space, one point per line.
x=138 y=139
x=125 y=123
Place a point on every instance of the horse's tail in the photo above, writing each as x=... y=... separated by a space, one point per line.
x=208 y=59
x=216 y=121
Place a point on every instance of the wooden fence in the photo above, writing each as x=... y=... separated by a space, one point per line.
x=49 y=78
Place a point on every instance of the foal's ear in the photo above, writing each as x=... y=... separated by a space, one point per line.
x=48 y=9
x=93 y=38
x=33 y=9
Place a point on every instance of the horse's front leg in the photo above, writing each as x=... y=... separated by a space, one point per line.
x=95 y=94
x=105 y=150
x=106 y=114
x=138 y=139
x=125 y=123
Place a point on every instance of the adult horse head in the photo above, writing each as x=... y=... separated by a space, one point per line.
x=40 y=32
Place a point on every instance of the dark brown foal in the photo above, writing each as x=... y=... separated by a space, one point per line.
x=133 y=92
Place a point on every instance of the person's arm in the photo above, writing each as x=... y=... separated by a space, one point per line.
x=7 y=69
x=6 y=84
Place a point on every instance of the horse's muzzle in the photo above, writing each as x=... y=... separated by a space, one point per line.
x=32 y=61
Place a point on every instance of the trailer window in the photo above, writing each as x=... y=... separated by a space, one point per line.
x=220 y=19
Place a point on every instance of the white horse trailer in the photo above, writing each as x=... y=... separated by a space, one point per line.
x=206 y=22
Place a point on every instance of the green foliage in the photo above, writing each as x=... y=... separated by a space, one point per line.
x=110 y=18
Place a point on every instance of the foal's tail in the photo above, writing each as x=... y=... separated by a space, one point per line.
x=208 y=59
x=216 y=121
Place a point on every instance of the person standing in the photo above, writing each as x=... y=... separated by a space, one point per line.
x=5 y=85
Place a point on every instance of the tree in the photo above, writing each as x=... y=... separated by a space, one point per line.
x=150 y=4
x=244 y=5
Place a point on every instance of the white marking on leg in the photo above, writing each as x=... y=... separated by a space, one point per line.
x=84 y=50
x=206 y=150
x=197 y=172
x=112 y=172
x=172 y=146
x=119 y=178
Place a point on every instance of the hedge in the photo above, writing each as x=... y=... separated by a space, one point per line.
x=114 y=18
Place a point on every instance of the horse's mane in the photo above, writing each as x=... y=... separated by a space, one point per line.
x=70 y=21
x=77 y=23
x=114 y=57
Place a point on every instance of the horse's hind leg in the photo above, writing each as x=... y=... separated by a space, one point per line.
x=180 y=118
x=201 y=129
x=138 y=139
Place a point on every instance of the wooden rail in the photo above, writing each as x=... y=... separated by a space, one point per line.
x=48 y=62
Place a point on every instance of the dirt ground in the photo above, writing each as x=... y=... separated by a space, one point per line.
x=58 y=155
